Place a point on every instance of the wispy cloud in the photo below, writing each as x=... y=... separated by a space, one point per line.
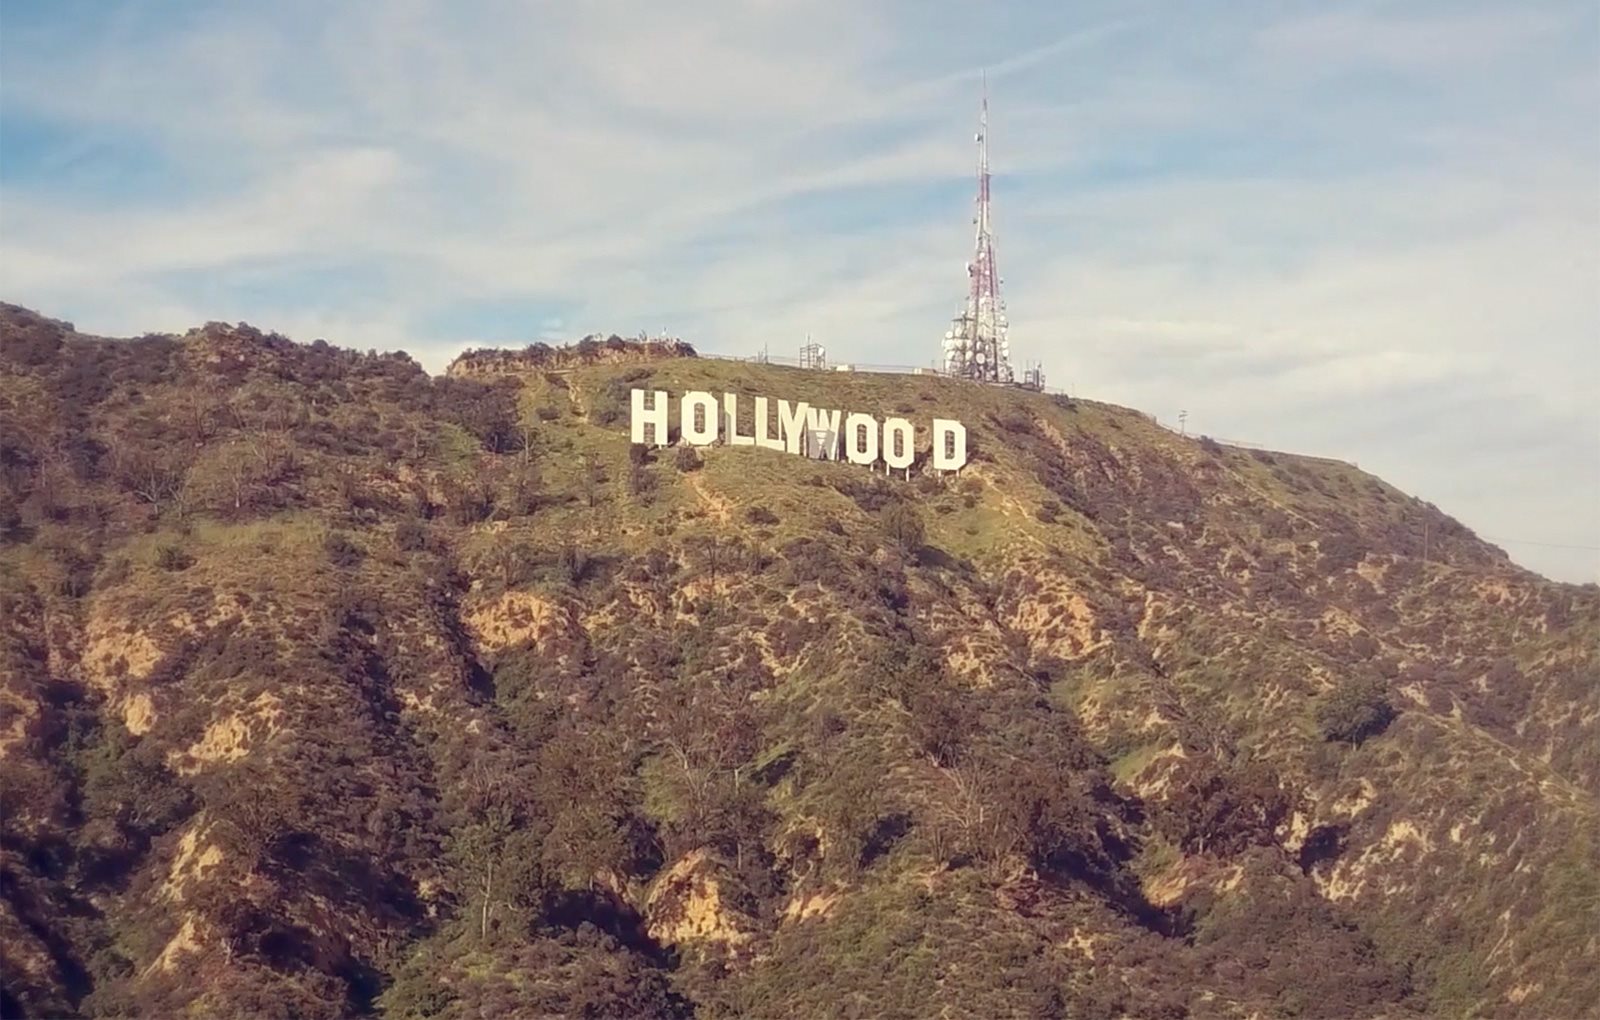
x=1369 y=230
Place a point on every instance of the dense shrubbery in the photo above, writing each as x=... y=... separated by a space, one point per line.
x=581 y=973
x=903 y=526
x=487 y=410
x=343 y=552
x=411 y=535
x=760 y=515
x=686 y=459
x=173 y=557
x=468 y=499
x=1218 y=810
x=1298 y=952
x=1356 y=709
x=871 y=493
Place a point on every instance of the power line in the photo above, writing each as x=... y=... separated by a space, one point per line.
x=1547 y=545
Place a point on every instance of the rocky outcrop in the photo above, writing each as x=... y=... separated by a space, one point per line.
x=544 y=358
x=688 y=906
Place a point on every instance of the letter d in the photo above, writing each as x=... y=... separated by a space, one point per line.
x=949 y=445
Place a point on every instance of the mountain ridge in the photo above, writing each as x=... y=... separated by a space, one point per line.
x=335 y=687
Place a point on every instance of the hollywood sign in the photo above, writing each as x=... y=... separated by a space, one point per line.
x=801 y=429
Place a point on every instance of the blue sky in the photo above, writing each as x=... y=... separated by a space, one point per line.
x=1366 y=230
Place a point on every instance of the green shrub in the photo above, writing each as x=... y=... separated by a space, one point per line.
x=1213 y=808
x=641 y=484
x=687 y=459
x=342 y=552
x=411 y=535
x=11 y=523
x=1355 y=710
x=904 y=527
x=468 y=500
x=77 y=566
x=573 y=563
x=174 y=558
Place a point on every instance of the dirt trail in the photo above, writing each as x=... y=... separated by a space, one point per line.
x=720 y=507
x=575 y=394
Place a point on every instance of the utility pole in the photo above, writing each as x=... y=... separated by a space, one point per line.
x=1183 y=418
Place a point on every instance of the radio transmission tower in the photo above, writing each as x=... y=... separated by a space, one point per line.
x=976 y=346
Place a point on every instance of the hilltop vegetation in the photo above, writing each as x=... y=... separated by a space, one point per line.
x=334 y=689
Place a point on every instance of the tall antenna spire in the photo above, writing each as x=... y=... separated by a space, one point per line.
x=976 y=346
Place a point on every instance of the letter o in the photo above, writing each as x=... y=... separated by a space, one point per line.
x=856 y=450
x=693 y=433
x=899 y=429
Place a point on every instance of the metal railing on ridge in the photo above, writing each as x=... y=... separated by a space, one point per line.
x=927 y=370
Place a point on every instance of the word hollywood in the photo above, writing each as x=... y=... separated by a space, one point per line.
x=801 y=429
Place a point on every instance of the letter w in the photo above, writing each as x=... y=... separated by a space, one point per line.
x=819 y=420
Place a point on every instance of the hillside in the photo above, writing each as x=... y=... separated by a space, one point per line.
x=334 y=689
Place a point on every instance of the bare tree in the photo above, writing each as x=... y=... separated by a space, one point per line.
x=593 y=477
x=200 y=414
x=154 y=476
x=715 y=555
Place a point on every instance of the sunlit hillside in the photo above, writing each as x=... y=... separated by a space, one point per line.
x=334 y=689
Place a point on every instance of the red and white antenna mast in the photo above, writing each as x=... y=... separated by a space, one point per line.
x=976 y=346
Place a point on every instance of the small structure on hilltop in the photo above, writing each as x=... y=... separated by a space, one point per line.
x=813 y=354
x=651 y=339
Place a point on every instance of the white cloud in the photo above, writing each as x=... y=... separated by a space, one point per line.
x=1333 y=39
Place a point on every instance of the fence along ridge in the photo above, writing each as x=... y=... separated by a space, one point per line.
x=1055 y=391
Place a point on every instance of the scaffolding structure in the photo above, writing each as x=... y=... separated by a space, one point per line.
x=813 y=355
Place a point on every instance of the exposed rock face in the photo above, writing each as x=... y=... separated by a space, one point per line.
x=330 y=689
x=521 y=618
x=686 y=907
